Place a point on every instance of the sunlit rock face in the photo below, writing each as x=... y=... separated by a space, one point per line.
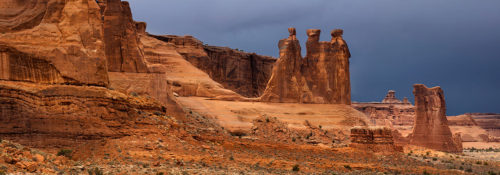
x=431 y=128
x=52 y=41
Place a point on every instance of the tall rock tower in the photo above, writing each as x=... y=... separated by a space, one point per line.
x=431 y=128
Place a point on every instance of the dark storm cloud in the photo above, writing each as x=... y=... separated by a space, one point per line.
x=394 y=43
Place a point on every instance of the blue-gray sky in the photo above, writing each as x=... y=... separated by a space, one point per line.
x=454 y=44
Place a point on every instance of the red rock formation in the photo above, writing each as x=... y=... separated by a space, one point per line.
x=242 y=72
x=123 y=49
x=379 y=139
x=287 y=83
x=321 y=77
x=51 y=41
x=431 y=128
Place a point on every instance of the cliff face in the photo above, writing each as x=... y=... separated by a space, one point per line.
x=52 y=41
x=431 y=128
x=122 y=45
x=245 y=73
x=321 y=77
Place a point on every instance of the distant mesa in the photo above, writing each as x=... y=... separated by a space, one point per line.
x=389 y=112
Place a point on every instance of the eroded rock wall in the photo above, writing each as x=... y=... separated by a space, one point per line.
x=245 y=73
x=431 y=128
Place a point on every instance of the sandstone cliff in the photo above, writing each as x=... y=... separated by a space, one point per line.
x=52 y=41
x=321 y=77
x=245 y=73
x=431 y=128
x=122 y=45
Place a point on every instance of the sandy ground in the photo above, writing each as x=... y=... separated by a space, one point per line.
x=238 y=115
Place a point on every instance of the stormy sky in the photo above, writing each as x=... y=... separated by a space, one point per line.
x=394 y=44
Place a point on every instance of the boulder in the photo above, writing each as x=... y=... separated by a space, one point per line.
x=378 y=139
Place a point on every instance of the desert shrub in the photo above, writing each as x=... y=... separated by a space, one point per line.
x=296 y=167
x=478 y=162
x=461 y=168
x=485 y=163
x=95 y=171
x=2 y=172
x=65 y=153
x=491 y=173
x=293 y=139
x=347 y=167
x=134 y=94
x=434 y=159
x=469 y=170
x=158 y=113
x=231 y=158
x=160 y=173
x=426 y=173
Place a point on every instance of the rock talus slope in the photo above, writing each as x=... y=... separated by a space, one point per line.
x=431 y=128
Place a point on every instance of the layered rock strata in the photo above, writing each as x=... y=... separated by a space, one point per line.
x=431 y=128
x=60 y=115
x=378 y=139
x=245 y=73
x=321 y=77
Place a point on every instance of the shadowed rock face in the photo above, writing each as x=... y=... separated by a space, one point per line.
x=321 y=77
x=244 y=73
x=431 y=128
x=52 y=41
